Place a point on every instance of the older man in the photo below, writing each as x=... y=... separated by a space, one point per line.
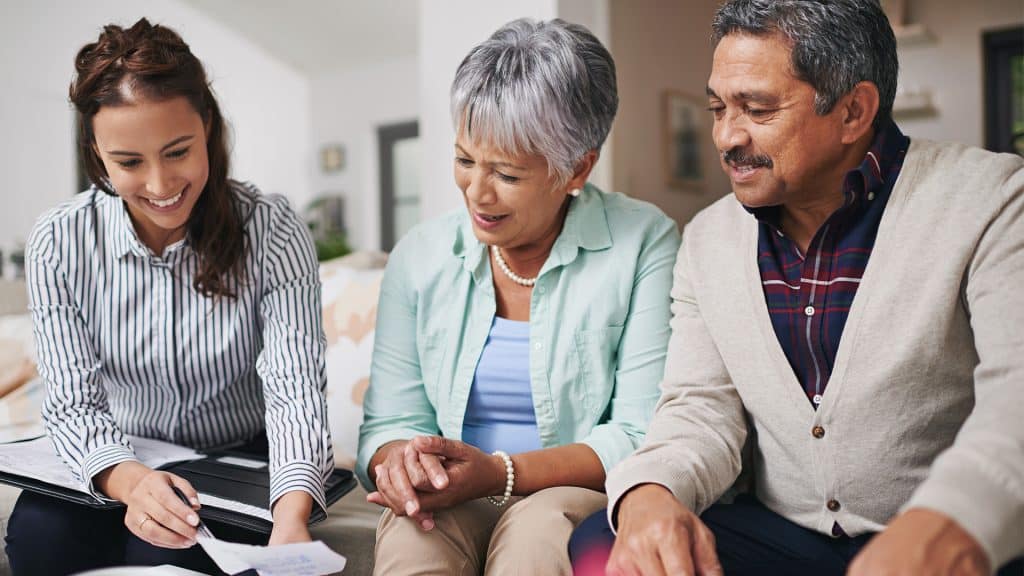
x=853 y=315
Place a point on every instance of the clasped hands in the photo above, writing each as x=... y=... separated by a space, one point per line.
x=417 y=477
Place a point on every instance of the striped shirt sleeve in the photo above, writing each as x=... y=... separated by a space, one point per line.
x=291 y=364
x=75 y=412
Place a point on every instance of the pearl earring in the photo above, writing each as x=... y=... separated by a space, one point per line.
x=575 y=192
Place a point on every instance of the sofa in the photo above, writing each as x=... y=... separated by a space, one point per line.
x=350 y=288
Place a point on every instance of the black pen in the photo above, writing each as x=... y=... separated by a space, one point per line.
x=201 y=528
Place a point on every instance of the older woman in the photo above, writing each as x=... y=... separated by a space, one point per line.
x=519 y=341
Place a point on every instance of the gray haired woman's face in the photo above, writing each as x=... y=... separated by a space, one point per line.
x=512 y=200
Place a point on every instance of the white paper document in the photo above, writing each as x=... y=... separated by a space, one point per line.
x=303 y=559
x=38 y=460
x=161 y=570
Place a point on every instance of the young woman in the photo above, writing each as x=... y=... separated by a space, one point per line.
x=169 y=302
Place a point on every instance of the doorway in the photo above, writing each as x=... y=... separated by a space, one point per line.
x=399 y=181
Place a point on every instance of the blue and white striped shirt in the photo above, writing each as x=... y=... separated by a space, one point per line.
x=127 y=346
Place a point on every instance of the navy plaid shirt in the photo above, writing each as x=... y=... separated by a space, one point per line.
x=809 y=295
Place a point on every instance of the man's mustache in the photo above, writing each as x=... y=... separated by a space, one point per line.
x=737 y=158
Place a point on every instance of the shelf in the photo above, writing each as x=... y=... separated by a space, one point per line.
x=913 y=104
x=912 y=35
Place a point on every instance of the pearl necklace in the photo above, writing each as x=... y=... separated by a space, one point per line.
x=508 y=271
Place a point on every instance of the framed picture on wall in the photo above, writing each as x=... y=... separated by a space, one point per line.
x=683 y=121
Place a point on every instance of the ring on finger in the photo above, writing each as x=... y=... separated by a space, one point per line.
x=145 y=519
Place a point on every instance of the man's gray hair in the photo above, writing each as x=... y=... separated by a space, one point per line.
x=835 y=43
x=545 y=88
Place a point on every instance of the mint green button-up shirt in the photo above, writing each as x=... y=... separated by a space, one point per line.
x=599 y=327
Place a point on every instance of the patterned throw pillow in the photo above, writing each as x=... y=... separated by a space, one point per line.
x=21 y=391
x=351 y=286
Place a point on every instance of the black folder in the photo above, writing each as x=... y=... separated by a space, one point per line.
x=237 y=476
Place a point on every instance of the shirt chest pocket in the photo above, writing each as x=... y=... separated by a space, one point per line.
x=432 y=350
x=597 y=357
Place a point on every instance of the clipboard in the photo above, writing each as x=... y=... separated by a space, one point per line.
x=245 y=478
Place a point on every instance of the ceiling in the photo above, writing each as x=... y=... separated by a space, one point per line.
x=317 y=36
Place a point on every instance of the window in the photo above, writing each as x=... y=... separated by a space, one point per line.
x=1004 y=90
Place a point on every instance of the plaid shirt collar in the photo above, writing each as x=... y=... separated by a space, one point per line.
x=870 y=177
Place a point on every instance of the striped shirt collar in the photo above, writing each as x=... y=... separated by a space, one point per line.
x=121 y=232
x=868 y=178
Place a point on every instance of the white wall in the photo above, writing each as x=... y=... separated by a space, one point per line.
x=950 y=65
x=446 y=36
x=266 y=103
x=596 y=16
x=347 y=108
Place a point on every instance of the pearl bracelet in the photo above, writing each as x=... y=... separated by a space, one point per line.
x=510 y=476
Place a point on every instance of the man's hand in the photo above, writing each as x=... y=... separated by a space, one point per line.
x=659 y=536
x=921 y=542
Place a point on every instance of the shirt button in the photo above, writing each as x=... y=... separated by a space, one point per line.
x=541 y=289
x=818 y=432
x=833 y=505
x=809 y=311
x=537 y=345
x=816 y=399
x=871 y=195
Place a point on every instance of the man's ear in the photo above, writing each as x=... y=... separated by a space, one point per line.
x=859 y=109
x=582 y=171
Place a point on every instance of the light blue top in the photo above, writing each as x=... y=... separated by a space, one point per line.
x=500 y=415
x=599 y=327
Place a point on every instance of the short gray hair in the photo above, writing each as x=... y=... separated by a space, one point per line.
x=545 y=88
x=835 y=44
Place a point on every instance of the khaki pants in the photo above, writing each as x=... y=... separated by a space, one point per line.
x=530 y=536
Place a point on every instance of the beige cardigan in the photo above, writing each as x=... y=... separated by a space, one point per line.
x=925 y=406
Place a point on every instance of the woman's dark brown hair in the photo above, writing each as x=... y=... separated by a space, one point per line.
x=153 y=62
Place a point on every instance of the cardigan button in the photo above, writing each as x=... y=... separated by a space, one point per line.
x=818 y=432
x=833 y=505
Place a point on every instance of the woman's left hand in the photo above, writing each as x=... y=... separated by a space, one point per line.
x=284 y=533
x=471 y=473
x=291 y=513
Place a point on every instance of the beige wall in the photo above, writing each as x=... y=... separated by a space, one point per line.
x=660 y=45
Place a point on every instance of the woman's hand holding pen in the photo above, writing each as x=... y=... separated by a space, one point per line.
x=155 y=513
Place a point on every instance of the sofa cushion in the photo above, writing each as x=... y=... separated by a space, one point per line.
x=350 y=290
x=17 y=353
x=21 y=391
